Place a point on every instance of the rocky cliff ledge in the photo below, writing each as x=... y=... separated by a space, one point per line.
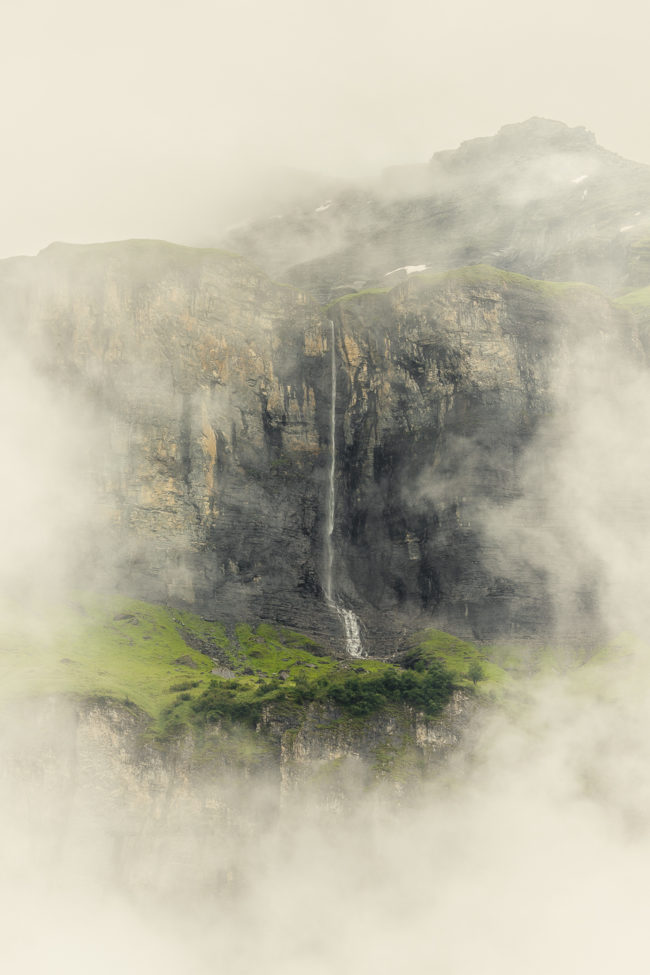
x=92 y=795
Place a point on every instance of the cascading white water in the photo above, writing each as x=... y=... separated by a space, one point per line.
x=350 y=622
x=353 y=643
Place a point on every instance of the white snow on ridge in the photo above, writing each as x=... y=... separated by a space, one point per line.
x=628 y=226
x=580 y=179
x=409 y=268
x=324 y=206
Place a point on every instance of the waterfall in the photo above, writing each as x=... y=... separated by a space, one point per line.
x=350 y=621
x=353 y=643
x=331 y=490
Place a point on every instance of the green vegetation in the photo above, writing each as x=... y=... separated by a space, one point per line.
x=357 y=294
x=466 y=663
x=474 y=275
x=638 y=299
x=284 y=670
x=485 y=274
x=357 y=694
x=475 y=671
x=401 y=761
x=100 y=647
x=183 y=672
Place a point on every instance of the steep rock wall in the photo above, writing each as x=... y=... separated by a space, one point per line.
x=206 y=393
x=447 y=380
x=200 y=379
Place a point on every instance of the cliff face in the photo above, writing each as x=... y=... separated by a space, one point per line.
x=448 y=381
x=209 y=390
x=74 y=765
x=202 y=379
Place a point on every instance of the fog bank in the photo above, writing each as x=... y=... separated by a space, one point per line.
x=526 y=852
x=153 y=120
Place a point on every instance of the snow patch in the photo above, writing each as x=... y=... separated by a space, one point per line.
x=580 y=179
x=324 y=206
x=409 y=268
x=628 y=226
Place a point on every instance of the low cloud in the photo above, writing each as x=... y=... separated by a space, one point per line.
x=525 y=851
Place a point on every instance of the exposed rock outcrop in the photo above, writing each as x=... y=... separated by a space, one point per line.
x=99 y=757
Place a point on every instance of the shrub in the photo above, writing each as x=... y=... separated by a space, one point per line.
x=358 y=695
x=475 y=672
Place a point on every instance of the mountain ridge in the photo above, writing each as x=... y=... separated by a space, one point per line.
x=538 y=198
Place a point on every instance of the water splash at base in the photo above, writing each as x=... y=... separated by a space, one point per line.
x=353 y=643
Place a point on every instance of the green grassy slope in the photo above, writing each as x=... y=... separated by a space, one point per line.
x=468 y=665
x=181 y=670
x=474 y=275
x=639 y=299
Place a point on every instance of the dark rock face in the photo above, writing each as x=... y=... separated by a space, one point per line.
x=447 y=382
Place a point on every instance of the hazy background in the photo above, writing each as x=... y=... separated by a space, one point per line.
x=529 y=853
x=158 y=119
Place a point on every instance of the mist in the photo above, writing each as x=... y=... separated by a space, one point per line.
x=162 y=120
x=49 y=504
x=524 y=849
x=527 y=851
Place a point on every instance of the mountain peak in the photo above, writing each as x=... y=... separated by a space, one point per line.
x=546 y=132
x=533 y=137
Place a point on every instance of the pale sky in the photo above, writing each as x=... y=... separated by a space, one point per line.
x=146 y=118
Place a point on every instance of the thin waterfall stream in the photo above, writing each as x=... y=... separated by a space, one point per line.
x=349 y=619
